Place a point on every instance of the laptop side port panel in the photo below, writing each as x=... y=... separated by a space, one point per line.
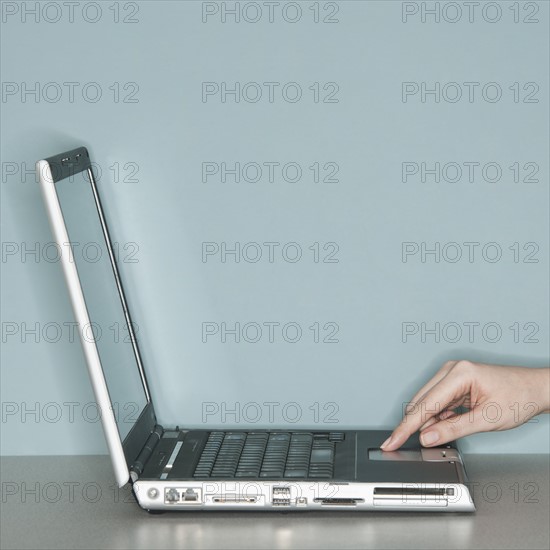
x=301 y=495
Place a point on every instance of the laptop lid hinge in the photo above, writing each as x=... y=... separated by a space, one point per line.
x=139 y=464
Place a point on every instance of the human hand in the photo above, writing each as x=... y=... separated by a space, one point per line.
x=498 y=398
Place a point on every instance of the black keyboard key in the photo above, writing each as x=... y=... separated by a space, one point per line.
x=322 y=459
x=296 y=472
x=321 y=455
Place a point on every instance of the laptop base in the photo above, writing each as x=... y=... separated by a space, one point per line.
x=363 y=477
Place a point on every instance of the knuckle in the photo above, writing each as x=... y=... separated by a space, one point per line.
x=448 y=365
x=464 y=366
x=454 y=430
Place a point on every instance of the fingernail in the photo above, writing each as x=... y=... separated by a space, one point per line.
x=387 y=442
x=429 y=438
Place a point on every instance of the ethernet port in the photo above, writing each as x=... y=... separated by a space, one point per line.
x=190 y=495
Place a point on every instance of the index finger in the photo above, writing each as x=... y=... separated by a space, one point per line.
x=435 y=400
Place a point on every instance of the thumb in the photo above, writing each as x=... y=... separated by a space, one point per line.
x=453 y=428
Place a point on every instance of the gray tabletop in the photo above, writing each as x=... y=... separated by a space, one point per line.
x=73 y=502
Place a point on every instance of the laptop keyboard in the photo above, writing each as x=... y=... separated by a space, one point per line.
x=268 y=455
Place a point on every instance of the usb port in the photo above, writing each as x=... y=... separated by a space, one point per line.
x=281 y=496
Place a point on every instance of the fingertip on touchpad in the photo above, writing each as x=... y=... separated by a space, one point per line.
x=397 y=456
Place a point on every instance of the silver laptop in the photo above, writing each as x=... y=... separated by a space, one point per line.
x=174 y=468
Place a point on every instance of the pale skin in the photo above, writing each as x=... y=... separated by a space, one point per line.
x=496 y=398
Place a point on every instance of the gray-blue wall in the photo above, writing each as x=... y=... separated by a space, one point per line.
x=367 y=116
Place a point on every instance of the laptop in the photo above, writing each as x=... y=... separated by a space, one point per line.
x=172 y=468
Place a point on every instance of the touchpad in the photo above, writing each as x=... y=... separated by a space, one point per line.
x=397 y=456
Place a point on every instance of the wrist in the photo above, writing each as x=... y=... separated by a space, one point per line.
x=542 y=385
